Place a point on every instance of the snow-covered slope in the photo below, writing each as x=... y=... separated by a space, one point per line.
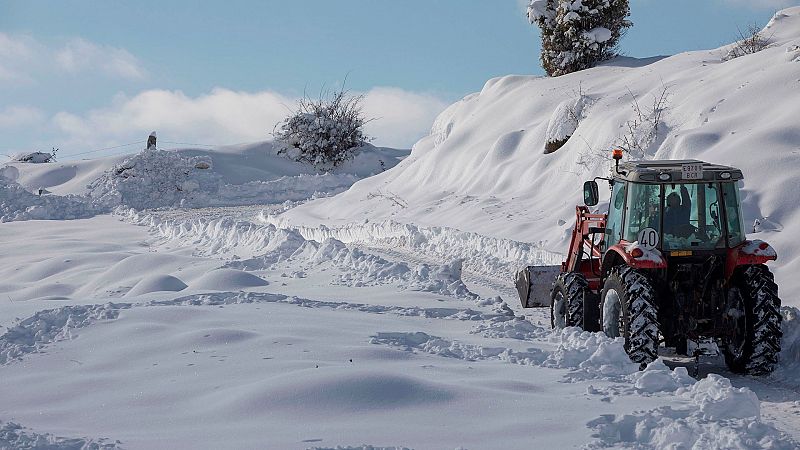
x=483 y=168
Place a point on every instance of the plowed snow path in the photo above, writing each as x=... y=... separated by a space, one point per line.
x=334 y=346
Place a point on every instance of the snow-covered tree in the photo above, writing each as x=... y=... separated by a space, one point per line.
x=578 y=34
x=324 y=132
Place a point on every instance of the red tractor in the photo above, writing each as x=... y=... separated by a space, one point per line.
x=669 y=263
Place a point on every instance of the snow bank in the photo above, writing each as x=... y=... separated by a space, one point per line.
x=485 y=255
x=154 y=178
x=269 y=246
x=16 y=203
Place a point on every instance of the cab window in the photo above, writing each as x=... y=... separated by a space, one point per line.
x=615 y=210
x=735 y=222
x=643 y=210
x=692 y=217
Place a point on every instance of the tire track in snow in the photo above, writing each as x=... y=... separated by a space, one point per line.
x=35 y=333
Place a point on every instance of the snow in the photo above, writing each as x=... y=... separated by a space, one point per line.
x=648 y=254
x=33 y=158
x=565 y=120
x=599 y=35
x=536 y=10
x=253 y=309
x=757 y=247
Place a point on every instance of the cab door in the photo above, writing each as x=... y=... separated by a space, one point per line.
x=616 y=209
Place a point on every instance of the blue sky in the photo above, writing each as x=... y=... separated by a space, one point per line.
x=87 y=74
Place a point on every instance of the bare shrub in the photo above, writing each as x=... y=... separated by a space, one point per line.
x=323 y=132
x=642 y=130
x=750 y=41
x=638 y=134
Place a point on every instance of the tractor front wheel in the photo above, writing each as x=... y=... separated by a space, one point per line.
x=628 y=310
x=754 y=319
x=567 y=296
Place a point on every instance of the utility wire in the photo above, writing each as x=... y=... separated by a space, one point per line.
x=186 y=143
x=105 y=148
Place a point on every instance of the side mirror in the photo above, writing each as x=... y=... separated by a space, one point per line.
x=590 y=193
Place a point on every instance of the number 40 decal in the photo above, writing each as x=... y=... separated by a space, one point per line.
x=648 y=238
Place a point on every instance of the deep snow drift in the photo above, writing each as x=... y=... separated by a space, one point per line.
x=483 y=168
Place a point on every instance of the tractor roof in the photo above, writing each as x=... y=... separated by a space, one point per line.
x=673 y=171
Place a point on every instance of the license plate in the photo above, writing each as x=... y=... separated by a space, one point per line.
x=681 y=253
x=692 y=171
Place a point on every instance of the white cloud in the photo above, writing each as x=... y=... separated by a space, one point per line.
x=224 y=116
x=16 y=52
x=81 y=55
x=19 y=116
x=402 y=117
x=24 y=59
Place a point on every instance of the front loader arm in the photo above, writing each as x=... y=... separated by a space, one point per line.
x=583 y=244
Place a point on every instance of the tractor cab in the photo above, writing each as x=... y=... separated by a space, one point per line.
x=668 y=263
x=675 y=206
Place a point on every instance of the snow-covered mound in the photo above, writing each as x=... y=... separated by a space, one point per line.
x=483 y=168
x=229 y=176
x=156 y=178
x=18 y=204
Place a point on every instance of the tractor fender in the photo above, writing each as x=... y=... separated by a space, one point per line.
x=619 y=254
x=747 y=253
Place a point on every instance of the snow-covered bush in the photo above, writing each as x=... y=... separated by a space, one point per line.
x=324 y=132
x=748 y=42
x=36 y=157
x=578 y=34
x=564 y=121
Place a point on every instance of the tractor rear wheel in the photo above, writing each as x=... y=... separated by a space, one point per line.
x=567 y=296
x=628 y=309
x=753 y=314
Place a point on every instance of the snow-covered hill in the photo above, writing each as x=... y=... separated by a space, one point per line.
x=483 y=168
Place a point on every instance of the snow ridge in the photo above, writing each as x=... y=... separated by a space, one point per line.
x=271 y=245
x=492 y=257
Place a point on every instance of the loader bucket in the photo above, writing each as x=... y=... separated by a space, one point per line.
x=534 y=284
